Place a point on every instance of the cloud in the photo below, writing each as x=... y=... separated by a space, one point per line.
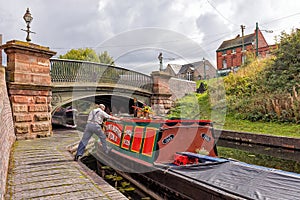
x=66 y=24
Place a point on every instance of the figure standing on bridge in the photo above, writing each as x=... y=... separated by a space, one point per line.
x=94 y=126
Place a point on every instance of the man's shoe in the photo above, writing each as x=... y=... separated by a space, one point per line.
x=76 y=158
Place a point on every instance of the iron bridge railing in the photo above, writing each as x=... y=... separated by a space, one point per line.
x=75 y=71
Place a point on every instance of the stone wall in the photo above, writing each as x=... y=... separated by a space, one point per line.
x=7 y=135
x=179 y=88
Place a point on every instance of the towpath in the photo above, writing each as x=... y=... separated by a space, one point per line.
x=44 y=169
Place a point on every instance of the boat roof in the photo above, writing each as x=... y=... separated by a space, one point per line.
x=165 y=120
x=245 y=180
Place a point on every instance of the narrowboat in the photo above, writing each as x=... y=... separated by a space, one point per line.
x=180 y=157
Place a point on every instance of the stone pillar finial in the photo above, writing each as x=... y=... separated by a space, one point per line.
x=29 y=88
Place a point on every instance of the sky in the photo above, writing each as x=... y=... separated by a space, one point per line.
x=135 y=32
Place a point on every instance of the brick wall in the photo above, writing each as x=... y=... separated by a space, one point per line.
x=166 y=90
x=7 y=135
x=29 y=88
x=0 y=50
x=160 y=100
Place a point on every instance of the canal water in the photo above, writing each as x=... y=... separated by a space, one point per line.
x=278 y=158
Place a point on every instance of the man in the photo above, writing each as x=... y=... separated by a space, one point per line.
x=135 y=107
x=94 y=126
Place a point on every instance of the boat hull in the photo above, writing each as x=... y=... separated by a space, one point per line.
x=150 y=141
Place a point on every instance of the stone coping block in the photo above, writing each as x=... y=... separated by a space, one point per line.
x=263 y=139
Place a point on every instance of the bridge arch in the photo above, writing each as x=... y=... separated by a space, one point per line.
x=73 y=80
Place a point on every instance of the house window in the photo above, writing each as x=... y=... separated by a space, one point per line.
x=233 y=51
x=224 y=64
x=189 y=76
x=224 y=52
x=243 y=59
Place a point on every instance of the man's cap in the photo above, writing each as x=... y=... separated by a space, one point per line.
x=101 y=105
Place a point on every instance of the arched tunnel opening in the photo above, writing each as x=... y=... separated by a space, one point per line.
x=73 y=114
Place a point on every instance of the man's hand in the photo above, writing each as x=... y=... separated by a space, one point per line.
x=116 y=118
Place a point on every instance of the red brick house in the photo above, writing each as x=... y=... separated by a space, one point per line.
x=230 y=56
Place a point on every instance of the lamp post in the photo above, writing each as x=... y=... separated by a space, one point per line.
x=204 y=70
x=160 y=58
x=28 y=19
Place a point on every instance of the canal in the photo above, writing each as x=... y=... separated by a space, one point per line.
x=130 y=186
x=278 y=158
x=272 y=157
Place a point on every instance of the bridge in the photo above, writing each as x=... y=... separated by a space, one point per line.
x=73 y=80
x=33 y=85
x=38 y=85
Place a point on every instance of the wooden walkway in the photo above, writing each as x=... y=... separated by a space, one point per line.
x=44 y=169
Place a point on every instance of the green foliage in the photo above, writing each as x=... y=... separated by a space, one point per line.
x=261 y=90
x=88 y=54
x=273 y=128
x=267 y=89
x=284 y=74
x=81 y=54
x=192 y=106
x=106 y=59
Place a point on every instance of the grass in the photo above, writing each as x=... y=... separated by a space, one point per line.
x=270 y=128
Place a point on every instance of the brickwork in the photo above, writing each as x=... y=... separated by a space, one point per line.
x=7 y=135
x=0 y=50
x=28 y=68
x=233 y=55
x=166 y=90
x=160 y=100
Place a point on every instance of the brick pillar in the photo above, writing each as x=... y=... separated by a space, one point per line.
x=161 y=99
x=0 y=50
x=29 y=88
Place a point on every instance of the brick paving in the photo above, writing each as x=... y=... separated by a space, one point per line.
x=44 y=169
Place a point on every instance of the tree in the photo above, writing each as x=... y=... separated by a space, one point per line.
x=81 y=54
x=284 y=74
x=106 y=59
x=88 y=54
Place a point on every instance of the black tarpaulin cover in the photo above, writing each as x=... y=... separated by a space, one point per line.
x=245 y=180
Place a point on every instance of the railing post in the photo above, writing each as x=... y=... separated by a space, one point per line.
x=29 y=88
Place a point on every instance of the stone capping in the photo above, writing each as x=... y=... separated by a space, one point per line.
x=161 y=74
x=22 y=86
x=27 y=46
x=262 y=139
